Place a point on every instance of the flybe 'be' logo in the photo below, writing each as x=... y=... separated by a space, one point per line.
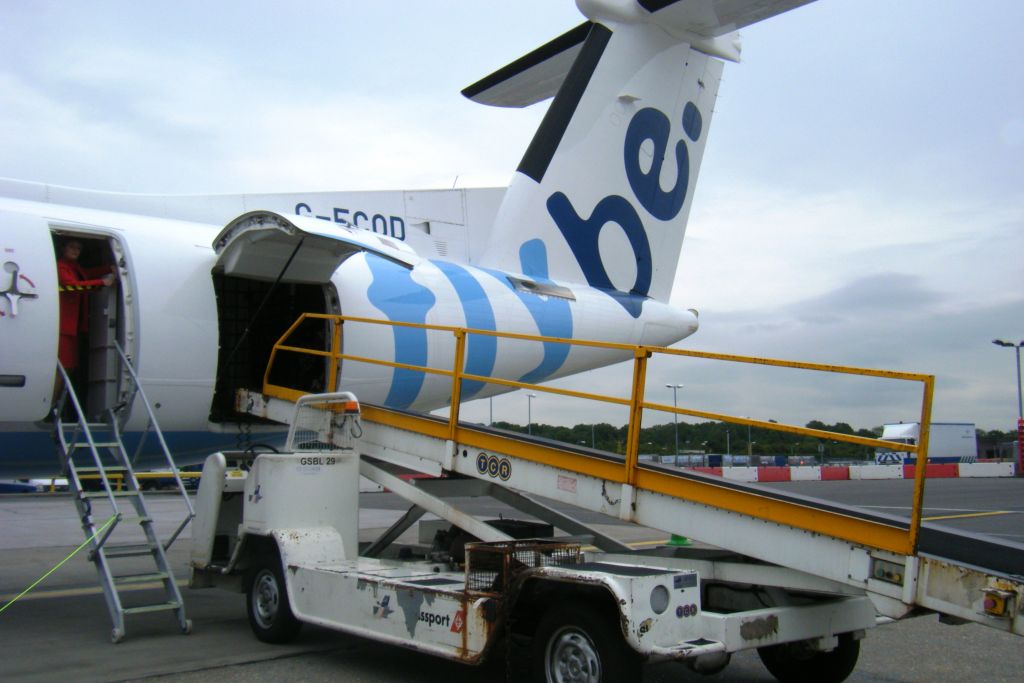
x=582 y=233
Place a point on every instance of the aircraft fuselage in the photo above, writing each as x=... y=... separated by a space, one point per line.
x=187 y=321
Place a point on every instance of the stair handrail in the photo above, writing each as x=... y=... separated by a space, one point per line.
x=68 y=391
x=155 y=426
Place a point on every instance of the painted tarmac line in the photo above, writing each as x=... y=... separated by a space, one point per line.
x=77 y=592
x=634 y=544
x=970 y=514
x=962 y=513
x=907 y=507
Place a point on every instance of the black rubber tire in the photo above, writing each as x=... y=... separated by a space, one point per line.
x=266 y=600
x=791 y=663
x=586 y=643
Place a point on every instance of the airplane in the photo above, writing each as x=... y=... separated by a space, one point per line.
x=584 y=243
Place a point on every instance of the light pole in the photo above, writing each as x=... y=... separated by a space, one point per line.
x=1020 y=404
x=593 y=437
x=529 y=415
x=1015 y=347
x=490 y=400
x=675 y=416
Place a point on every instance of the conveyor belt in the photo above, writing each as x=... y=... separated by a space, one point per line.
x=991 y=555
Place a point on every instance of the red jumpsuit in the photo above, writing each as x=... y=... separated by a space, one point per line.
x=75 y=283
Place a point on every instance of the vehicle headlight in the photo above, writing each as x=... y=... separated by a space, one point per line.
x=659 y=599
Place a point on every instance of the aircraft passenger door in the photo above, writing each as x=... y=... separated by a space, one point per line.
x=28 y=318
x=104 y=378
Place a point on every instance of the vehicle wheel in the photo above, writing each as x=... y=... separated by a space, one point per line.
x=796 y=663
x=270 y=615
x=578 y=644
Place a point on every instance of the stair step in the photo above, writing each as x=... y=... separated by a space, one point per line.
x=97 y=444
x=140 y=578
x=126 y=520
x=157 y=607
x=93 y=426
x=103 y=494
x=94 y=473
x=134 y=550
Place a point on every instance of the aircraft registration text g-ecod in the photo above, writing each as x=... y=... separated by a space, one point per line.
x=393 y=226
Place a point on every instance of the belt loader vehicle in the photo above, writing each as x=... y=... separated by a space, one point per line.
x=283 y=528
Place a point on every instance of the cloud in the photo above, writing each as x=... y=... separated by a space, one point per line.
x=37 y=125
x=893 y=322
x=156 y=123
x=910 y=329
x=882 y=295
x=357 y=142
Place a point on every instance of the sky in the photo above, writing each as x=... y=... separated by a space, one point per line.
x=860 y=202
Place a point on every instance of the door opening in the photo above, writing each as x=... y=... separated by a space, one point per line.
x=92 y=317
x=246 y=339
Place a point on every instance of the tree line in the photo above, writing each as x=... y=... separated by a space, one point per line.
x=720 y=437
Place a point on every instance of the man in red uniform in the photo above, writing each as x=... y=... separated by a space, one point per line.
x=75 y=283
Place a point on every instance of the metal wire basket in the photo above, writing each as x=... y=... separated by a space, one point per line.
x=491 y=567
x=324 y=422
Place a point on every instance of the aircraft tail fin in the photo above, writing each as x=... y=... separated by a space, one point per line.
x=603 y=192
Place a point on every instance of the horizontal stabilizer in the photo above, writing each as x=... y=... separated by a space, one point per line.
x=714 y=18
x=533 y=77
x=538 y=75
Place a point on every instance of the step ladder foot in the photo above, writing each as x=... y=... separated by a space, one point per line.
x=187 y=628
x=116 y=636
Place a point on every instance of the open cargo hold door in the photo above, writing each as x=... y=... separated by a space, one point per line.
x=263 y=245
x=270 y=270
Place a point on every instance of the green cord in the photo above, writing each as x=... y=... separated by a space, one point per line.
x=59 y=564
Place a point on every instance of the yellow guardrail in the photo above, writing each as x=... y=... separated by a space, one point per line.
x=866 y=532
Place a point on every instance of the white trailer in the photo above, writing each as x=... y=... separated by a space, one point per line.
x=947 y=441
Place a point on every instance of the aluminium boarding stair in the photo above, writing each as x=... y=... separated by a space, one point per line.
x=92 y=450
